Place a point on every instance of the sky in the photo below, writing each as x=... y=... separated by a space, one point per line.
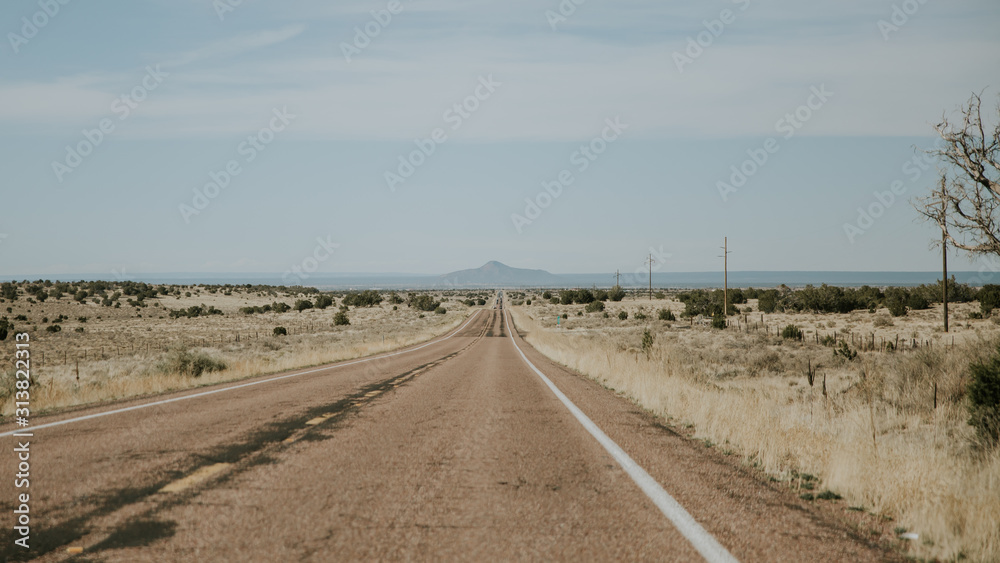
x=425 y=136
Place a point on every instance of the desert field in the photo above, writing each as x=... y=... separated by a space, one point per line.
x=883 y=433
x=103 y=353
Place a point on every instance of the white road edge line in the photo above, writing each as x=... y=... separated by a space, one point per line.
x=704 y=542
x=240 y=386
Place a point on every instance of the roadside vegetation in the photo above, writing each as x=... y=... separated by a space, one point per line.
x=98 y=341
x=905 y=428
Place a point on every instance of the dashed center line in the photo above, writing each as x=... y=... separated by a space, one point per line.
x=193 y=479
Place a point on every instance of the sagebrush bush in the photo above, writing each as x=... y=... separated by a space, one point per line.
x=595 y=307
x=666 y=315
x=340 y=319
x=623 y=315
x=440 y=311
x=185 y=362
x=280 y=331
x=882 y=321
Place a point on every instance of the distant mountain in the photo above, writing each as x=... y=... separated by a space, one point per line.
x=496 y=274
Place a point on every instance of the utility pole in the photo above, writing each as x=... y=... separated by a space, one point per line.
x=617 y=275
x=649 y=261
x=725 y=287
x=944 y=259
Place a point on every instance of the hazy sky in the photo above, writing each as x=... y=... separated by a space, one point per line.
x=646 y=112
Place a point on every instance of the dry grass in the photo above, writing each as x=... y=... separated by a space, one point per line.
x=114 y=362
x=875 y=438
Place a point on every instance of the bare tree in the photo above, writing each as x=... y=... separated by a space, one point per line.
x=966 y=202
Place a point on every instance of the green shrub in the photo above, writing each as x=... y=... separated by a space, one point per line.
x=984 y=400
x=546 y=295
x=897 y=307
x=791 y=331
x=666 y=315
x=78 y=329
x=647 y=341
x=324 y=301
x=395 y=299
x=623 y=315
x=280 y=331
x=367 y=298
x=8 y=291
x=767 y=301
x=423 y=302
x=302 y=305
x=480 y=302
x=440 y=311
x=53 y=328
x=5 y=327
x=719 y=321
x=340 y=319
x=595 y=307
x=989 y=298
x=640 y=316
x=616 y=293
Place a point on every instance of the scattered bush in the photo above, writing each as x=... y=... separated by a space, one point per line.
x=324 y=301
x=186 y=363
x=5 y=328
x=984 y=400
x=340 y=319
x=195 y=311
x=791 y=331
x=280 y=331
x=666 y=315
x=640 y=316
x=616 y=293
x=480 y=302
x=989 y=298
x=367 y=298
x=719 y=321
x=78 y=329
x=53 y=328
x=647 y=341
x=845 y=351
x=440 y=311
x=882 y=321
x=423 y=302
x=302 y=305
x=623 y=315
x=594 y=307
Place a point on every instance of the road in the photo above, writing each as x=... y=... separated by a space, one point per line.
x=453 y=450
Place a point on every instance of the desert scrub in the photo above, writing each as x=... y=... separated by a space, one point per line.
x=185 y=362
x=984 y=400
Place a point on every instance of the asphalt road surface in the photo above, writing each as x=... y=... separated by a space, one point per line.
x=471 y=447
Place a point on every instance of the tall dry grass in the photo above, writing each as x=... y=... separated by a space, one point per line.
x=876 y=438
